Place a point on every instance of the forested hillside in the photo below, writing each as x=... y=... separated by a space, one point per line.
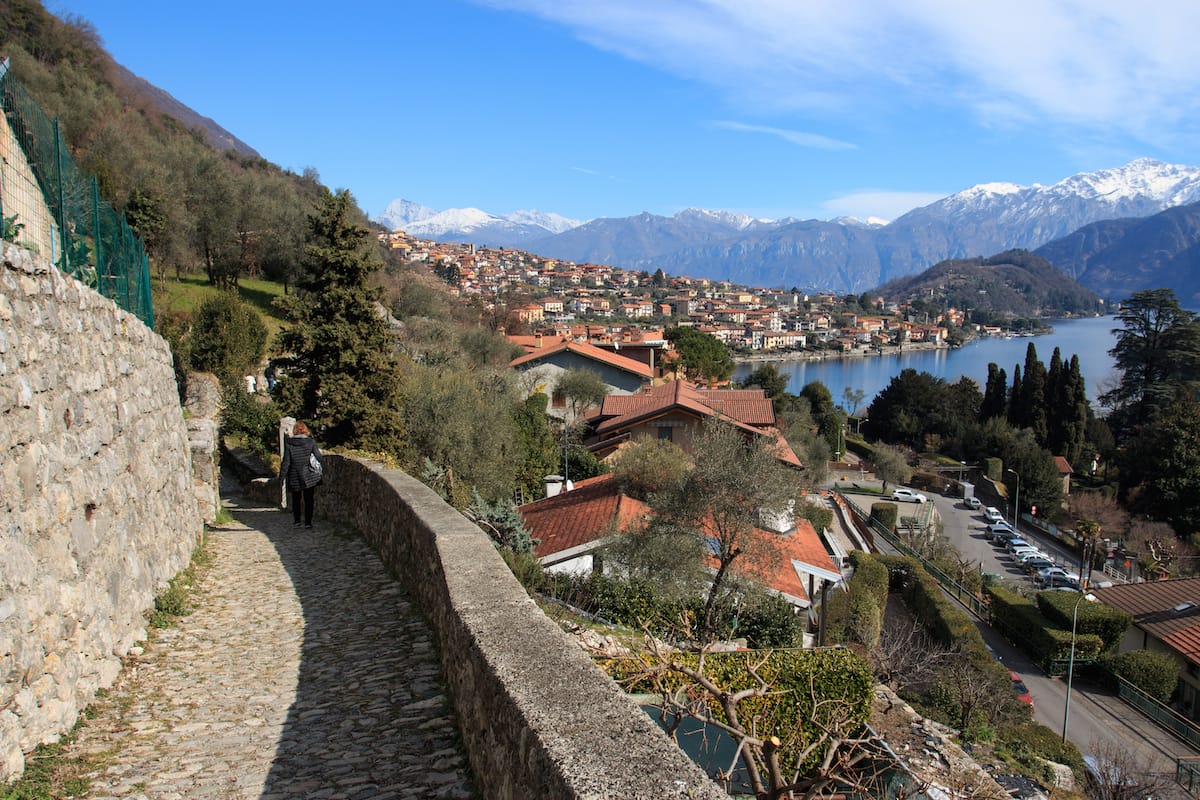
x=1015 y=283
x=195 y=206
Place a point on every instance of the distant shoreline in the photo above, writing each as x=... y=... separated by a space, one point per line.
x=829 y=355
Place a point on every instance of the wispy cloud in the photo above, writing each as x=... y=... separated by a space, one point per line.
x=800 y=138
x=878 y=204
x=1092 y=63
x=584 y=170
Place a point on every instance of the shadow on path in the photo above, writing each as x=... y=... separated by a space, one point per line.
x=369 y=718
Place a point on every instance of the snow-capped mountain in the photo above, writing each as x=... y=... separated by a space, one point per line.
x=473 y=225
x=839 y=255
x=400 y=213
x=844 y=255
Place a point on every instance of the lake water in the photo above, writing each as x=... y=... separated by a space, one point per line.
x=1090 y=339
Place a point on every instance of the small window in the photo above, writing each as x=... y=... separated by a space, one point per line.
x=558 y=400
x=664 y=434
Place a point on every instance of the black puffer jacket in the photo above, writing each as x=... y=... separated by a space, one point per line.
x=294 y=466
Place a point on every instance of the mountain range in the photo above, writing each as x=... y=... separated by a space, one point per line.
x=472 y=225
x=847 y=255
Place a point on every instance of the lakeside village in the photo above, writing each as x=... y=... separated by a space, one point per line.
x=612 y=307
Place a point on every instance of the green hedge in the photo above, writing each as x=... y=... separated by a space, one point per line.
x=993 y=468
x=764 y=620
x=1020 y=621
x=885 y=514
x=870 y=575
x=941 y=617
x=802 y=683
x=1100 y=619
x=1154 y=673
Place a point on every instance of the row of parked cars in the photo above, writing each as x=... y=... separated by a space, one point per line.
x=1035 y=562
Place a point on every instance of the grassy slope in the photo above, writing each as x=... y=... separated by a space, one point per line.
x=186 y=296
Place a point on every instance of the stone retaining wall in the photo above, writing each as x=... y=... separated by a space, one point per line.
x=537 y=717
x=97 y=504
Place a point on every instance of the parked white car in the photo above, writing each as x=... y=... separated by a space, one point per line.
x=908 y=496
x=992 y=514
x=972 y=503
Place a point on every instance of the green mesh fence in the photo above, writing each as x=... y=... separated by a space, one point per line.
x=94 y=243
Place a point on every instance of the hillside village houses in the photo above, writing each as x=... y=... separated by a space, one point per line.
x=611 y=320
x=560 y=295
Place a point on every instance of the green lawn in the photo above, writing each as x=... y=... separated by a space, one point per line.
x=187 y=294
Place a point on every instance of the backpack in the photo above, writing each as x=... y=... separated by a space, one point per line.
x=315 y=470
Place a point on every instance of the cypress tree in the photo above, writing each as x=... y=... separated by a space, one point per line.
x=995 y=394
x=1014 y=398
x=340 y=373
x=1057 y=405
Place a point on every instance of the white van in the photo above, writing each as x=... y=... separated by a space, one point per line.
x=992 y=514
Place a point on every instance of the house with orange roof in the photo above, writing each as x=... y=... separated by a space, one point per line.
x=1065 y=471
x=547 y=359
x=1166 y=619
x=572 y=527
x=675 y=410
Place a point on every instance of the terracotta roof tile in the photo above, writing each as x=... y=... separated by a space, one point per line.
x=1186 y=641
x=1164 y=609
x=784 y=570
x=609 y=357
x=592 y=510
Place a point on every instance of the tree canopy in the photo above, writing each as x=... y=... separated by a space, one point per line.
x=339 y=371
x=704 y=356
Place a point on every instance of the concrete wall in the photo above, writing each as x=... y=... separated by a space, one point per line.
x=537 y=717
x=97 y=504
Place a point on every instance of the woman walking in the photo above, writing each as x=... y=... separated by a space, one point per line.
x=300 y=453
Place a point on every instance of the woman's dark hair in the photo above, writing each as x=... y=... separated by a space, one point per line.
x=300 y=429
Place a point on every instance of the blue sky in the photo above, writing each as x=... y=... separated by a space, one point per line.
x=607 y=108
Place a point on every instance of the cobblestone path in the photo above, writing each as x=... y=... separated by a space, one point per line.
x=305 y=671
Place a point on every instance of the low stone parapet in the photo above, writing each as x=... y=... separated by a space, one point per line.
x=538 y=718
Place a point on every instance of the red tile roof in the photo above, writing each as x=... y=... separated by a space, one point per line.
x=609 y=357
x=748 y=409
x=1168 y=610
x=1186 y=642
x=594 y=509
x=1064 y=466
x=782 y=570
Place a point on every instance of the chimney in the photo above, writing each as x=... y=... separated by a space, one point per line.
x=553 y=484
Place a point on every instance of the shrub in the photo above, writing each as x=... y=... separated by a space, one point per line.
x=885 y=514
x=1102 y=620
x=771 y=621
x=764 y=620
x=1030 y=742
x=993 y=468
x=1156 y=674
x=1020 y=620
x=228 y=337
x=806 y=686
x=255 y=422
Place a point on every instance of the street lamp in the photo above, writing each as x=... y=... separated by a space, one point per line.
x=1016 y=512
x=961 y=466
x=1071 y=664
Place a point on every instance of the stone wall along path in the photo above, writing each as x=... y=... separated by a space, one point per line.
x=304 y=671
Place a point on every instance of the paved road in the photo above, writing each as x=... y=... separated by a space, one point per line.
x=1096 y=716
x=305 y=671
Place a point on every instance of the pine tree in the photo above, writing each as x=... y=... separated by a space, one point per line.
x=340 y=374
